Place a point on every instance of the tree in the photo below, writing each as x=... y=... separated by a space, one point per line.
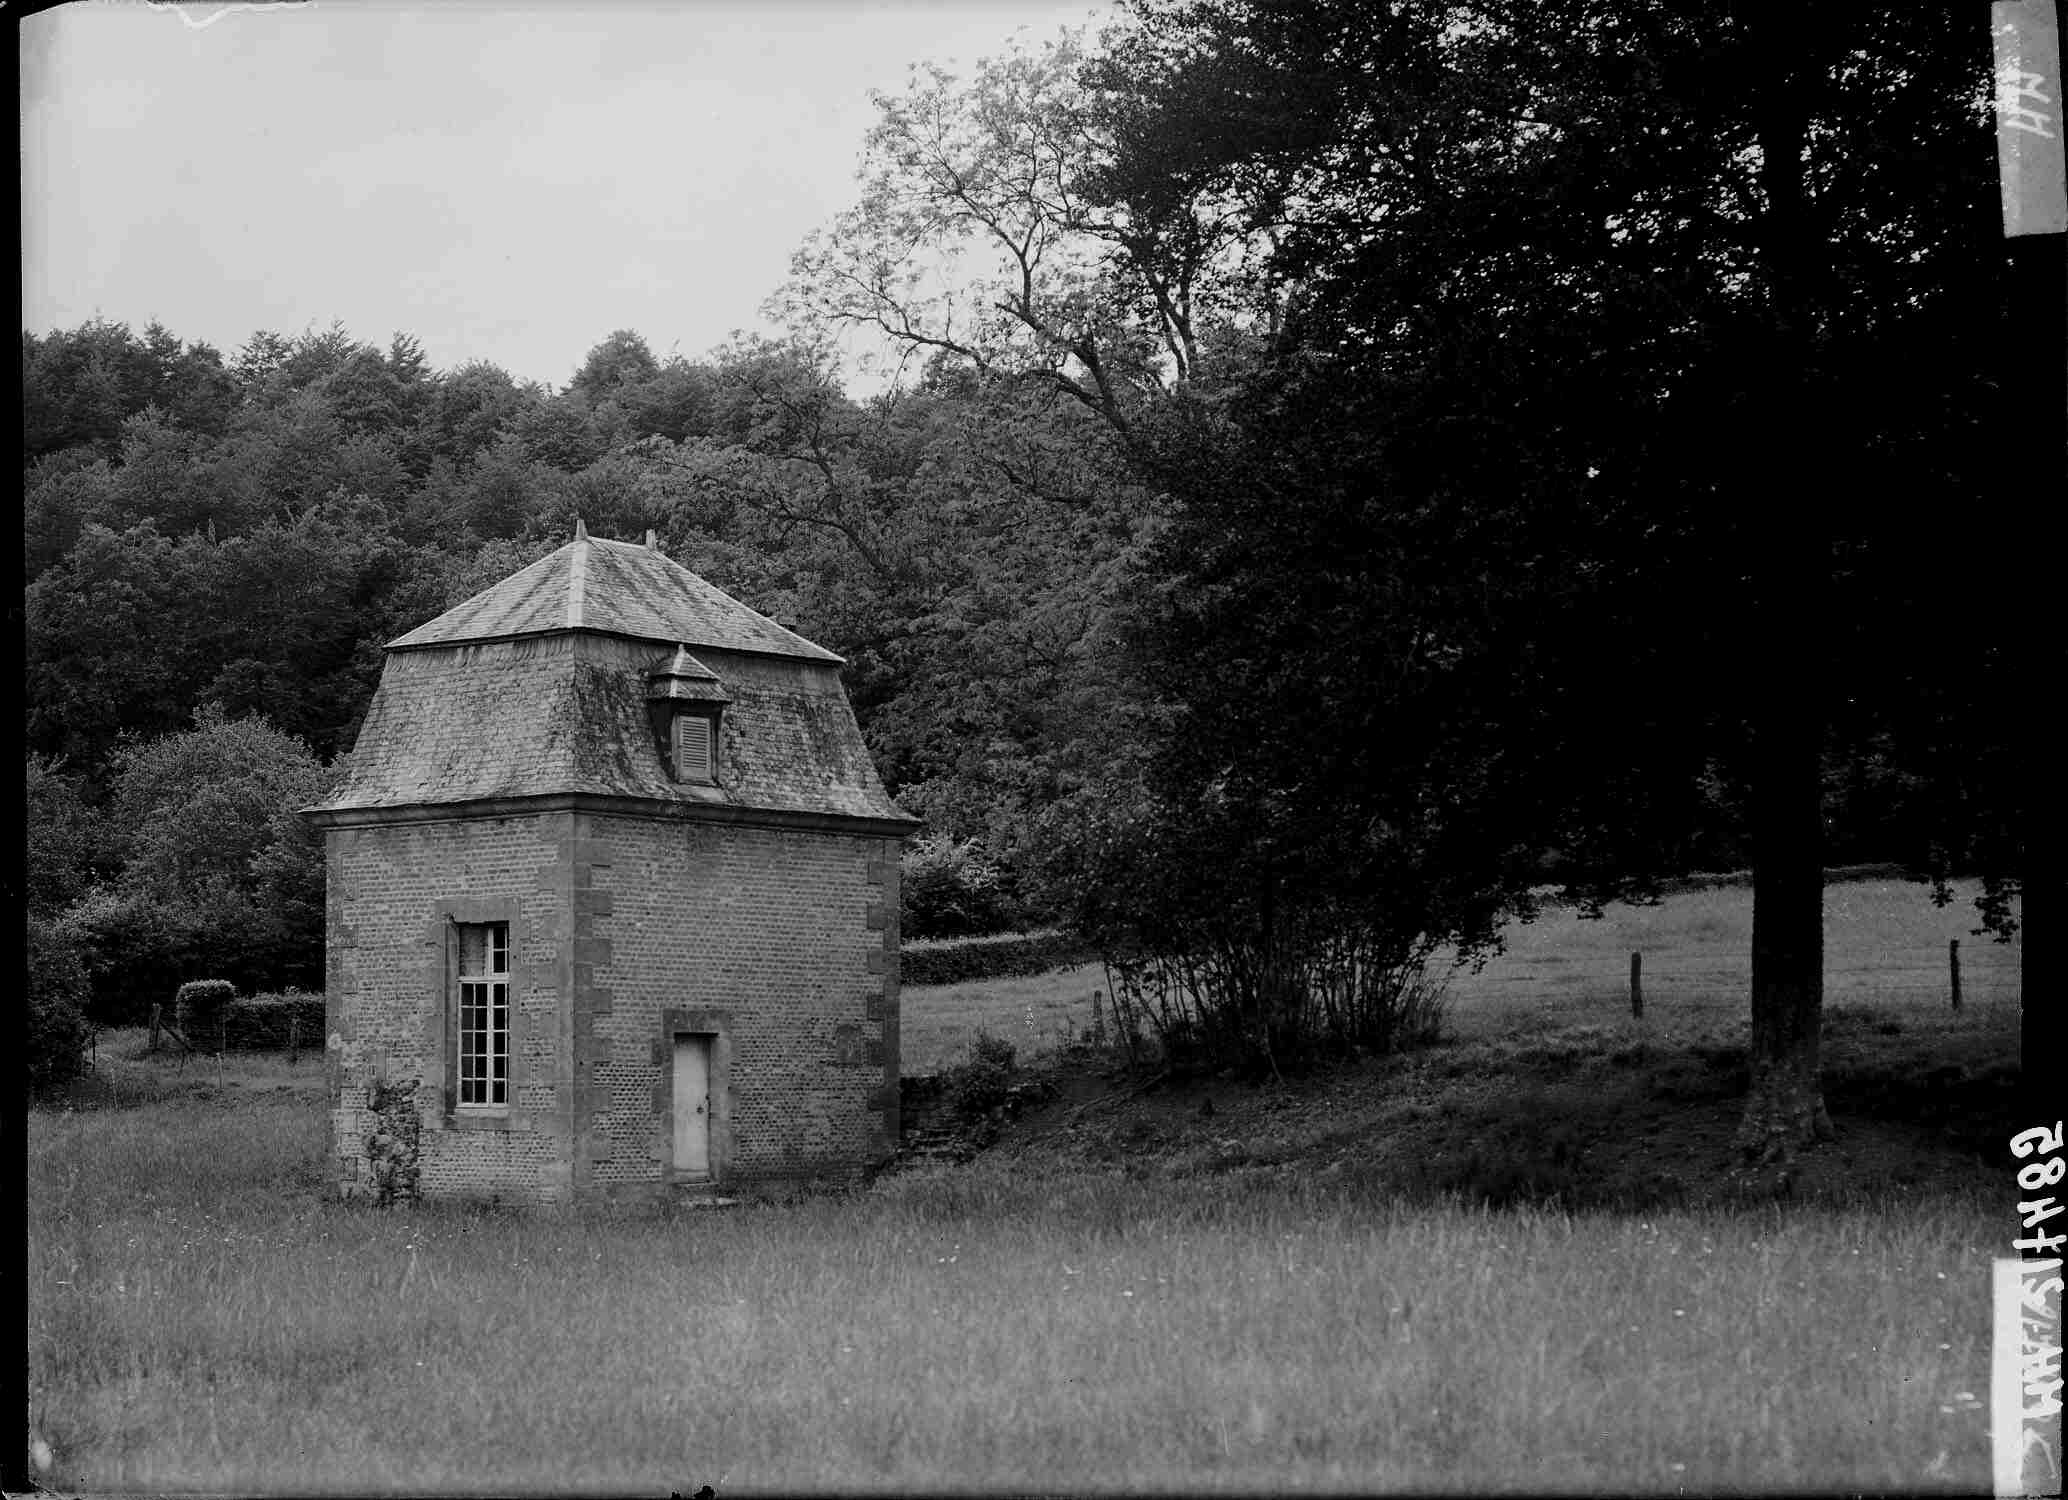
x=956 y=547
x=621 y=360
x=567 y=432
x=55 y=1033
x=293 y=608
x=65 y=846
x=193 y=388
x=261 y=356
x=61 y=492
x=976 y=241
x=163 y=478
x=675 y=403
x=465 y=411
x=78 y=387
x=110 y=633
x=215 y=847
x=1533 y=259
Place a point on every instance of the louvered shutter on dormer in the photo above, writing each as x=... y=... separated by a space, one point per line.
x=692 y=748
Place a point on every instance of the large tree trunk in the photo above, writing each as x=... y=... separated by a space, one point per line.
x=1792 y=563
x=1785 y=1108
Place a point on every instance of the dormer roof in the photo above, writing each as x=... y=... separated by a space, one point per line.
x=682 y=677
x=611 y=588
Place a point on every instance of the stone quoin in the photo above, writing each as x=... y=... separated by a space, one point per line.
x=612 y=904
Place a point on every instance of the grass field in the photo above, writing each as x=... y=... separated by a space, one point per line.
x=1128 y=1293
x=1885 y=944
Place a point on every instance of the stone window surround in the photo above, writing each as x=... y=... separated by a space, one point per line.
x=449 y=916
x=491 y=973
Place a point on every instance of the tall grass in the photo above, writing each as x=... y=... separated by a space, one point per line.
x=202 y=1317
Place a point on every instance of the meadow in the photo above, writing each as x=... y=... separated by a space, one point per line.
x=1262 y=1300
x=1885 y=944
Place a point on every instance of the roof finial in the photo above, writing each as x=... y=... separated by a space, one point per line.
x=653 y=543
x=581 y=532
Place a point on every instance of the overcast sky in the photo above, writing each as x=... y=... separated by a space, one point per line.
x=508 y=182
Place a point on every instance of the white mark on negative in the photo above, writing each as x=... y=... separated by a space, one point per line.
x=186 y=9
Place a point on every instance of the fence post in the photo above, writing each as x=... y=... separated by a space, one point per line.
x=294 y=1040
x=1953 y=959
x=1637 y=985
x=156 y=1010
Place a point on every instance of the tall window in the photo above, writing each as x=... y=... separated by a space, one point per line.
x=484 y=1050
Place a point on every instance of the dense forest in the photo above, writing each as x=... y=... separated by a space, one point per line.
x=1352 y=469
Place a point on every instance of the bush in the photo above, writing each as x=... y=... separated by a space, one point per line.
x=1225 y=953
x=948 y=889
x=981 y=1083
x=58 y=1032
x=201 y=1007
x=1007 y=954
x=258 y=1023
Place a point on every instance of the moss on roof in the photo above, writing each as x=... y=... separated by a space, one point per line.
x=563 y=713
x=541 y=686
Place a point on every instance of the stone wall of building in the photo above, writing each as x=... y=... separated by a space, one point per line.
x=393 y=891
x=784 y=941
x=779 y=943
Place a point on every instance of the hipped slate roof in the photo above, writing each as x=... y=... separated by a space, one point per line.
x=550 y=683
x=618 y=588
x=567 y=713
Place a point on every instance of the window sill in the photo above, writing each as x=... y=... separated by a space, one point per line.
x=497 y=1118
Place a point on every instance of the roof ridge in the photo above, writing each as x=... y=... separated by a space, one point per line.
x=577 y=580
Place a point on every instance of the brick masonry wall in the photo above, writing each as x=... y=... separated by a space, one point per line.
x=391 y=891
x=789 y=936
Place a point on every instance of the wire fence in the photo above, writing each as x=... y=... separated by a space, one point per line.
x=1961 y=975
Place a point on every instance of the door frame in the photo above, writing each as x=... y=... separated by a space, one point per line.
x=716 y=1026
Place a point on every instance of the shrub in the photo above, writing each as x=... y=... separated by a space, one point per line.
x=1225 y=953
x=57 y=1028
x=949 y=889
x=271 y=1022
x=202 y=1006
x=1001 y=956
x=983 y=1082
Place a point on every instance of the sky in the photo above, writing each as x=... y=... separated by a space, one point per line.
x=508 y=182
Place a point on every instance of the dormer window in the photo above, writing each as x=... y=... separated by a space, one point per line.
x=694 y=758
x=687 y=704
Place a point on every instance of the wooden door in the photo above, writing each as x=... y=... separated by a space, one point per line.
x=693 y=1106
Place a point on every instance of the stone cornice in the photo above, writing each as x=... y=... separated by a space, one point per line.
x=395 y=649
x=597 y=802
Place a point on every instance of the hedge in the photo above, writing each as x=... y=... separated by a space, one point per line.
x=197 y=1009
x=1833 y=875
x=210 y=1013
x=958 y=960
x=270 y=1022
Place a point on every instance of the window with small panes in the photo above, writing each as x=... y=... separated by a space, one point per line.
x=484 y=1015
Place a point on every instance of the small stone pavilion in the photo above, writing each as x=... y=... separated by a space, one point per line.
x=613 y=900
